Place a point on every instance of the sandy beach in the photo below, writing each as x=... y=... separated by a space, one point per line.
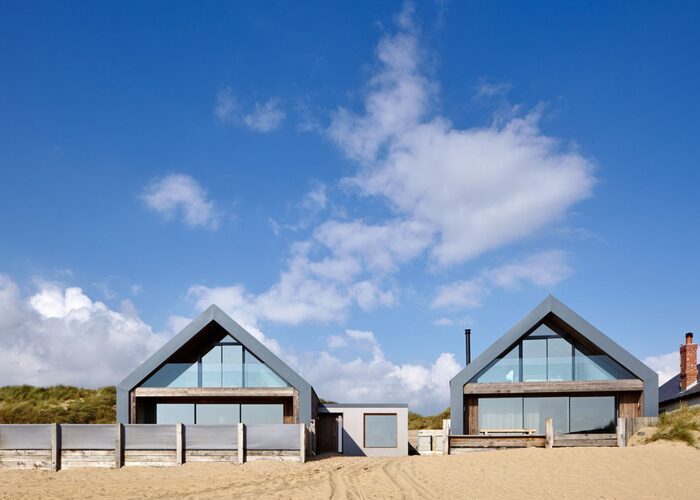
x=651 y=471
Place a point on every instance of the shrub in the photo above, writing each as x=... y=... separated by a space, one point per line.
x=679 y=425
x=417 y=421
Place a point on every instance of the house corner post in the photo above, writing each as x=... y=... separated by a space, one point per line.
x=312 y=438
x=119 y=446
x=302 y=443
x=621 y=432
x=55 y=447
x=548 y=433
x=241 y=443
x=180 y=443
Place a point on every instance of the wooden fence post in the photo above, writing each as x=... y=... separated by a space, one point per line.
x=548 y=433
x=179 y=443
x=55 y=447
x=302 y=443
x=119 y=446
x=446 y=423
x=241 y=443
x=621 y=435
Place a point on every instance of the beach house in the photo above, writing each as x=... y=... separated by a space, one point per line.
x=215 y=372
x=551 y=364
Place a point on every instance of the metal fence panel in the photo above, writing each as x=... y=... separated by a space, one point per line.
x=149 y=437
x=25 y=436
x=211 y=437
x=273 y=437
x=88 y=436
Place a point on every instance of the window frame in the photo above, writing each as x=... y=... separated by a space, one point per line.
x=364 y=429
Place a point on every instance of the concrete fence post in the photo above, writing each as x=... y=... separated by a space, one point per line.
x=180 y=443
x=241 y=443
x=55 y=447
x=312 y=437
x=302 y=443
x=548 y=433
x=119 y=446
x=621 y=434
x=446 y=437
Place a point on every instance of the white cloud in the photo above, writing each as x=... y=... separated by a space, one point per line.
x=59 y=335
x=180 y=194
x=542 y=270
x=666 y=365
x=443 y=322
x=476 y=189
x=360 y=372
x=266 y=117
x=263 y=117
x=226 y=108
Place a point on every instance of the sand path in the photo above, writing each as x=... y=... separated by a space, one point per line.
x=652 y=471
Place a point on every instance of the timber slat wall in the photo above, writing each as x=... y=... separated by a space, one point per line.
x=53 y=447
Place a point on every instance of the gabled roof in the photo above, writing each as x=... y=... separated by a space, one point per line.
x=671 y=390
x=213 y=313
x=552 y=305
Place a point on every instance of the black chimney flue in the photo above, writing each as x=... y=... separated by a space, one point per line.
x=468 y=338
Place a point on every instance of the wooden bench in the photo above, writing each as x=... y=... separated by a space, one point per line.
x=523 y=432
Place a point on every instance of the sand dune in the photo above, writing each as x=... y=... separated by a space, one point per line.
x=659 y=470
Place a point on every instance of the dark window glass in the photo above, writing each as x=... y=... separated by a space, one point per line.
x=504 y=369
x=258 y=374
x=380 y=431
x=536 y=410
x=534 y=360
x=559 y=362
x=218 y=413
x=232 y=367
x=500 y=413
x=592 y=414
x=262 y=414
x=171 y=413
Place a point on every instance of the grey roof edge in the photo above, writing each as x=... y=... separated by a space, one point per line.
x=361 y=405
x=553 y=305
x=214 y=313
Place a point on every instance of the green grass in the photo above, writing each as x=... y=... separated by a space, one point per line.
x=679 y=425
x=417 y=421
x=26 y=404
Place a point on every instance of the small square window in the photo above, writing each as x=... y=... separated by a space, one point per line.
x=380 y=430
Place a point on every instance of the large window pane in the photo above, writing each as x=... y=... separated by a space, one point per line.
x=534 y=360
x=380 y=431
x=170 y=413
x=257 y=374
x=598 y=367
x=500 y=413
x=232 y=375
x=505 y=369
x=536 y=410
x=218 y=413
x=211 y=368
x=174 y=375
x=593 y=414
x=559 y=362
x=262 y=414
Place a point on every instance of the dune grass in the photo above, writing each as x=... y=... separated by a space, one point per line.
x=417 y=421
x=680 y=425
x=26 y=404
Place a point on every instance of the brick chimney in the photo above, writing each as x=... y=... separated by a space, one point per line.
x=689 y=363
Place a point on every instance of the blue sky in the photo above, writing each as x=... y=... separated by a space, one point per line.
x=354 y=182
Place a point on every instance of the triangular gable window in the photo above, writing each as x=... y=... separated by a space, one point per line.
x=547 y=356
x=226 y=363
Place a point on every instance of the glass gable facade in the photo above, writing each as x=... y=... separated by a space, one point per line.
x=546 y=356
x=224 y=364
